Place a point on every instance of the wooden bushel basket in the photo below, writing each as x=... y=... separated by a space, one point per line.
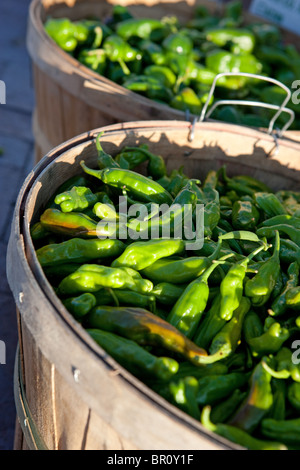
x=72 y=99
x=69 y=393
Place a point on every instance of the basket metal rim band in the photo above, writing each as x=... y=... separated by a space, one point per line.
x=30 y=431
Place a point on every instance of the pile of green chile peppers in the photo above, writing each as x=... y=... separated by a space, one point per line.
x=212 y=329
x=175 y=63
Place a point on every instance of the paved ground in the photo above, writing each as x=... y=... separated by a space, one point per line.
x=16 y=161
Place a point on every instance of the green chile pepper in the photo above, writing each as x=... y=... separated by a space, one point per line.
x=278 y=410
x=222 y=412
x=94 y=59
x=189 y=308
x=221 y=61
x=177 y=271
x=270 y=204
x=118 y=50
x=245 y=216
x=187 y=369
x=140 y=186
x=81 y=305
x=130 y=157
x=213 y=389
x=187 y=100
x=238 y=436
x=284 y=219
x=257 y=403
x=184 y=393
x=293 y=395
x=123 y=297
x=149 y=86
x=167 y=293
x=260 y=287
x=62 y=31
x=228 y=338
x=141 y=254
x=284 y=368
x=78 y=250
x=156 y=165
x=141 y=28
x=76 y=200
x=293 y=298
x=178 y=43
x=279 y=306
x=244 y=184
x=73 y=224
x=153 y=53
x=144 y=328
x=270 y=341
x=252 y=326
x=287 y=430
x=210 y=325
x=92 y=277
x=232 y=286
x=171 y=222
x=292 y=232
x=134 y=357
x=242 y=40
x=104 y=160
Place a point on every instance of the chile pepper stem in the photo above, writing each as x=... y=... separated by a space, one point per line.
x=252 y=255
x=98 y=145
x=277 y=375
x=217 y=250
x=115 y=298
x=277 y=245
x=214 y=265
x=90 y=171
x=205 y=418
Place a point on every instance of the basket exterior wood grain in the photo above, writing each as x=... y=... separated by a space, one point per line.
x=78 y=396
x=70 y=98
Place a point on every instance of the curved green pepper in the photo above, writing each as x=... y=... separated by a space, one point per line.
x=269 y=342
x=144 y=328
x=141 y=28
x=213 y=389
x=232 y=286
x=257 y=403
x=141 y=254
x=228 y=338
x=279 y=306
x=287 y=430
x=140 y=186
x=78 y=250
x=238 y=436
x=260 y=287
x=134 y=357
x=189 y=308
x=81 y=305
x=293 y=395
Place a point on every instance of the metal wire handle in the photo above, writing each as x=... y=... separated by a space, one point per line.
x=280 y=109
